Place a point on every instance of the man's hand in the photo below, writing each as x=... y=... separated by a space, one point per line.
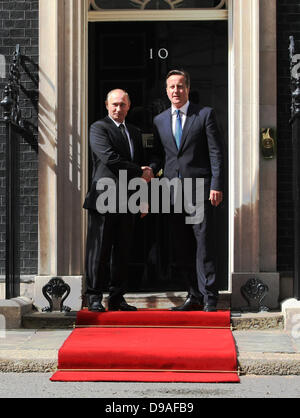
x=215 y=197
x=144 y=209
x=147 y=173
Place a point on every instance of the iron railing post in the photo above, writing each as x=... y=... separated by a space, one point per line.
x=13 y=122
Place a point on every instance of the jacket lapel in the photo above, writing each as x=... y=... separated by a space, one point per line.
x=169 y=129
x=133 y=142
x=188 y=123
x=120 y=141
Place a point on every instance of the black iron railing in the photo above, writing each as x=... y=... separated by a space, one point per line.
x=14 y=129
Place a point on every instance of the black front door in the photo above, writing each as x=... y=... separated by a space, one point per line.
x=136 y=56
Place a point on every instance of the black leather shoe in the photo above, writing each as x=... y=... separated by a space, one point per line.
x=190 y=304
x=122 y=306
x=94 y=304
x=210 y=308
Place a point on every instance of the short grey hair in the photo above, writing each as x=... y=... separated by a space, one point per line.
x=114 y=90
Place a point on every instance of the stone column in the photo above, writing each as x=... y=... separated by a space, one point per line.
x=62 y=162
x=268 y=119
x=250 y=253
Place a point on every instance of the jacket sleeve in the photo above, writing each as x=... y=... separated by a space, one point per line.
x=157 y=153
x=216 y=152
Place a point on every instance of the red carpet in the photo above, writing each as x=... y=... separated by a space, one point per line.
x=155 y=318
x=149 y=346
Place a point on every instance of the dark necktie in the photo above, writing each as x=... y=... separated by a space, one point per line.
x=122 y=129
x=178 y=129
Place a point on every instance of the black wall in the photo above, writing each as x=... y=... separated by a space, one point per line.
x=288 y=23
x=19 y=25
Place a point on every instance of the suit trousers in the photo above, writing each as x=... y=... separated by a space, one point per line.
x=194 y=253
x=108 y=247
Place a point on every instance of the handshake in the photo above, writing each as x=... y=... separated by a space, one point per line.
x=147 y=173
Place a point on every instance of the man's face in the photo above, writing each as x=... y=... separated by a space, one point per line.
x=177 y=90
x=118 y=105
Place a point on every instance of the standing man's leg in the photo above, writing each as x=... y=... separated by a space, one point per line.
x=184 y=255
x=122 y=241
x=206 y=270
x=98 y=249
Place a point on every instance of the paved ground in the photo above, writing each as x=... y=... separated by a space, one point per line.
x=261 y=352
x=38 y=385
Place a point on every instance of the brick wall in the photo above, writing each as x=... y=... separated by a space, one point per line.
x=288 y=23
x=19 y=25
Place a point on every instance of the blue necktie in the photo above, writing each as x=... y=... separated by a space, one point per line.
x=178 y=129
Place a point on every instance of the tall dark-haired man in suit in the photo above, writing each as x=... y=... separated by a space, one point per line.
x=116 y=146
x=187 y=144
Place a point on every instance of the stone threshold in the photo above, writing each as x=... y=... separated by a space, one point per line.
x=240 y=321
x=19 y=312
x=268 y=364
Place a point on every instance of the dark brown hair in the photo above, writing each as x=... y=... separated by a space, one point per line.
x=185 y=74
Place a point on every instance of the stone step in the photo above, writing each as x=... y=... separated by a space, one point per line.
x=49 y=320
x=240 y=320
x=257 y=320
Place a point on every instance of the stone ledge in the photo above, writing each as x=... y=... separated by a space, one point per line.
x=49 y=320
x=249 y=364
x=12 y=310
x=245 y=321
x=267 y=364
x=28 y=366
x=259 y=320
x=151 y=300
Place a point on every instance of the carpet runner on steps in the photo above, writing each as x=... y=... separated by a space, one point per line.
x=149 y=346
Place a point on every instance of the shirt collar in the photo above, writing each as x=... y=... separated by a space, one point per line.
x=183 y=109
x=117 y=123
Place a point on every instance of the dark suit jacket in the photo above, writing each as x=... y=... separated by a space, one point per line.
x=110 y=154
x=201 y=151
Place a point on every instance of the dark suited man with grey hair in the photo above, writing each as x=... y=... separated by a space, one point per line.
x=115 y=146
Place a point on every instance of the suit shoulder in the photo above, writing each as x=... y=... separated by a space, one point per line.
x=199 y=109
x=207 y=109
x=206 y=113
x=101 y=124
x=162 y=115
x=98 y=123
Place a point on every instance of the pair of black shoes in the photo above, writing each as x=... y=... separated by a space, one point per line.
x=195 y=304
x=95 y=305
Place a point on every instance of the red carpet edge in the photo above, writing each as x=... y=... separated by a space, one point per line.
x=149 y=346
